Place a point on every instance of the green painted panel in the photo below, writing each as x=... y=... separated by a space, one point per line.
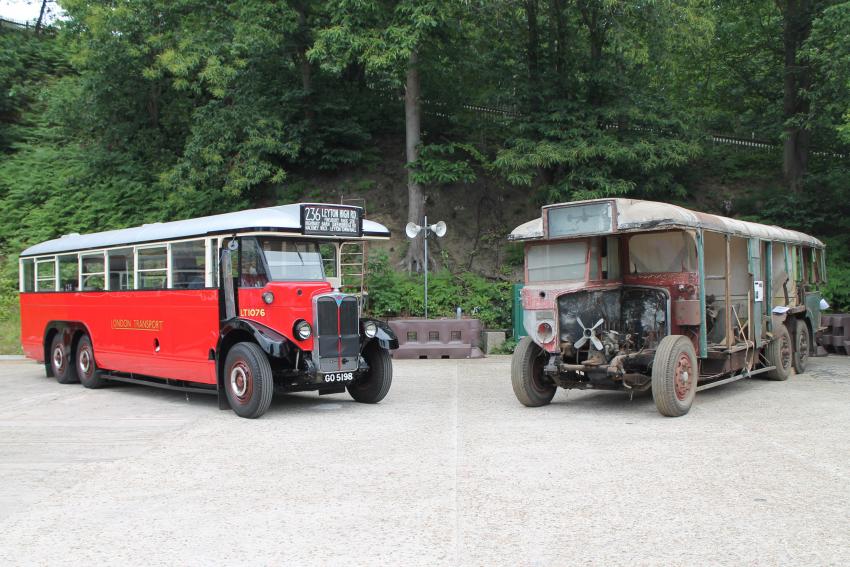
x=517 y=313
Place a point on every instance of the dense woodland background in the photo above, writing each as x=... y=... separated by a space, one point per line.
x=472 y=111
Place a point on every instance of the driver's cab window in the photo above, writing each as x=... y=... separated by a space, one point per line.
x=329 y=259
x=253 y=272
x=330 y=262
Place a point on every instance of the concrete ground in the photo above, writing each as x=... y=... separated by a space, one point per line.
x=448 y=470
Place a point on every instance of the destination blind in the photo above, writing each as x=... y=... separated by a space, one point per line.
x=330 y=220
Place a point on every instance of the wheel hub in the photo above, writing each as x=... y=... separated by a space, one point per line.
x=58 y=358
x=85 y=361
x=239 y=380
x=683 y=380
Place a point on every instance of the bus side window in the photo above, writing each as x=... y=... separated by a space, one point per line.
x=45 y=274
x=188 y=267
x=253 y=273
x=69 y=276
x=153 y=267
x=27 y=275
x=120 y=269
x=93 y=272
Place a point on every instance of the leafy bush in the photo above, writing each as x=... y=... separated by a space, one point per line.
x=396 y=294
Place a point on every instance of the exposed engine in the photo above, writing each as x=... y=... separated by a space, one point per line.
x=624 y=321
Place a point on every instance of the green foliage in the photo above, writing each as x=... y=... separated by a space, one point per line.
x=153 y=110
x=440 y=164
x=396 y=294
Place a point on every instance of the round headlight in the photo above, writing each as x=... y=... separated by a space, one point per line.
x=370 y=329
x=303 y=330
x=268 y=297
x=545 y=332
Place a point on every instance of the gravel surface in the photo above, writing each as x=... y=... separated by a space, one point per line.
x=448 y=470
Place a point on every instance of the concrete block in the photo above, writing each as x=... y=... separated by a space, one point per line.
x=492 y=340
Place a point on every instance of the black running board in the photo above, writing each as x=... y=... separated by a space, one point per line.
x=734 y=378
x=165 y=386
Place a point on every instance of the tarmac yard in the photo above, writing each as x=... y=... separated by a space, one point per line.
x=448 y=470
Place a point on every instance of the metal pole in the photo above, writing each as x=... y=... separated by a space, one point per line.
x=425 y=228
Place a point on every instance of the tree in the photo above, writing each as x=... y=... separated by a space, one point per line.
x=387 y=38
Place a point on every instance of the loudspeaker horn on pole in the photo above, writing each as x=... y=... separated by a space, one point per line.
x=439 y=228
x=412 y=229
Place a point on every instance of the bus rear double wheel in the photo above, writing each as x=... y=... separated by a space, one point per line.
x=87 y=370
x=62 y=361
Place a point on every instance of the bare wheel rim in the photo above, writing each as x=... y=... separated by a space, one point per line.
x=85 y=361
x=241 y=381
x=58 y=359
x=803 y=347
x=683 y=376
x=785 y=352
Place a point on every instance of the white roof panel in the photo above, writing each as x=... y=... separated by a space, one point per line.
x=283 y=218
x=636 y=215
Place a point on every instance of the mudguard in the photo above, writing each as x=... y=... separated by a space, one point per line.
x=386 y=337
x=273 y=343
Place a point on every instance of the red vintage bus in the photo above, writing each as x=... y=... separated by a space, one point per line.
x=238 y=305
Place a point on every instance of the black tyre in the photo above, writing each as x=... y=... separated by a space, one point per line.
x=531 y=387
x=371 y=388
x=802 y=346
x=779 y=353
x=675 y=372
x=248 y=380
x=86 y=368
x=62 y=361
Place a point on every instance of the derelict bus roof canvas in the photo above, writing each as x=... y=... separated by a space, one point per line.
x=633 y=215
x=283 y=218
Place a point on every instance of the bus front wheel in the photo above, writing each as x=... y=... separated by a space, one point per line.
x=62 y=361
x=531 y=387
x=675 y=372
x=373 y=386
x=248 y=380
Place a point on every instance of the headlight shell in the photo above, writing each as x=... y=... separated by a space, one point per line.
x=545 y=332
x=302 y=330
x=370 y=329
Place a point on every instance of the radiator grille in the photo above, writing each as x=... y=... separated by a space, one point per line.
x=337 y=333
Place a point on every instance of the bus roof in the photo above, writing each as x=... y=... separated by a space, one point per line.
x=633 y=215
x=283 y=218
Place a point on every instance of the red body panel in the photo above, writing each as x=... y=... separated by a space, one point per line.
x=292 y=301
x=126 y=326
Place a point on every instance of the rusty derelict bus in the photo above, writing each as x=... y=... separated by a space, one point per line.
x=238 y=305
x=634 y=295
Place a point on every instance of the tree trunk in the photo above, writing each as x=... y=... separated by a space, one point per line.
x=797 y=23
x=40 y=21
x=303 y=44
x=560 y=37
x=591 y=16
x=415 y=259
x=533 y=48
